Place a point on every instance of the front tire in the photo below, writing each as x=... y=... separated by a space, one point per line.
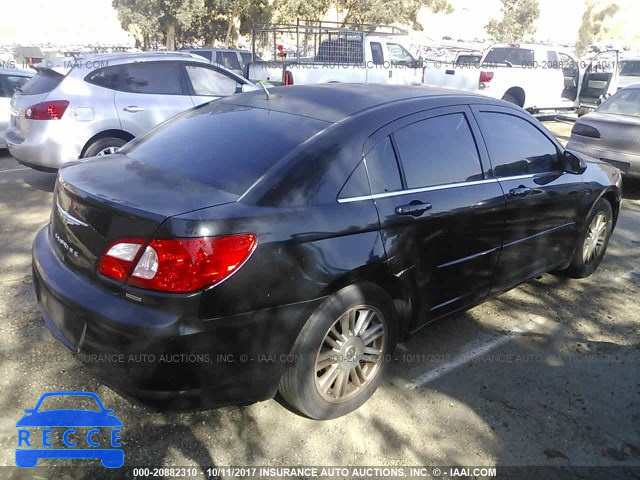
x=341 y=353
x=593 y=241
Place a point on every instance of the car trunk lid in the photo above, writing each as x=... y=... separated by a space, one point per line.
x=618 y=133
x=100 y=200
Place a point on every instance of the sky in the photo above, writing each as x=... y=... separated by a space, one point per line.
x=559 y=20
x=95 y=21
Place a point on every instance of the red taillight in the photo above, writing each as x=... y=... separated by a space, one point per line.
x=486 y=77
x=287 y=78
x=177 y=265
x=53 y=110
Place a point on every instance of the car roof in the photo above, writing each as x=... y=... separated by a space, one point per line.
x=214 y=49
x=336 y=101
x=126 y=57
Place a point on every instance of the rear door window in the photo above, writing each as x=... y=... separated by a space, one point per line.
x=357 y=184
x=377 y=56
x=108 y=77
x=382 y=167
x=516 y=147
x=438 y=151
x=159 y=78
x=42 y=82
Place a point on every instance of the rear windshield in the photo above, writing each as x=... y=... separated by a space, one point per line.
x=625 y=102
x=516 y=57
x=225 y=146
x=42 y=82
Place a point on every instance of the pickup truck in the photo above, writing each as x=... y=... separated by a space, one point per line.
x=535 y=77
x=342 y=55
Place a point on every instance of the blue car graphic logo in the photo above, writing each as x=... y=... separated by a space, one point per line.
x=74 y=422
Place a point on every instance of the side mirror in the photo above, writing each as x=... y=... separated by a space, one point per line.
x=572 y=163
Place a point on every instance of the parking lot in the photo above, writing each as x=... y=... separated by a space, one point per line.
x=546 y=374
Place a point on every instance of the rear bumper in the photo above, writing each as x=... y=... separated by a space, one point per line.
x=627 y=163
x=41 y=150
x=160 y=357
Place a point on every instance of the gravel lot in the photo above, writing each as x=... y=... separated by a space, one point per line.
x=546 y=375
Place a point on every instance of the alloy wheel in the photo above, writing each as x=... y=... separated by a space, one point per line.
x=351 y=354
x=107 y=151
x=595 y=239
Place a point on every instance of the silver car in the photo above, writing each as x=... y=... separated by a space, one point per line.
x=612 y=133
x=11 y=80
x=93 y=105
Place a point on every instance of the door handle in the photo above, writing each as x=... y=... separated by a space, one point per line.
x=415 y=209
x=521 y=191
x=133 y=109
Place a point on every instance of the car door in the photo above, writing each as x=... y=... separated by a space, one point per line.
x=148 y=93
x=440 y=217
x=376 y=71
x=571 y=74
x=600 y=79
x=542 y=200
x=402 y=69
x=208 y=83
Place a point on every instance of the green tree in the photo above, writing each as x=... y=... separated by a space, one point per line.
x=518 y=20
x=404 y=12
x=592 y=26
x=135 y=19
x=157 y=18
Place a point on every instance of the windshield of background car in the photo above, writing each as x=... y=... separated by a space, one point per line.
x=517 y=57
x=630 y=68
x=225 y=146
x=625 y=102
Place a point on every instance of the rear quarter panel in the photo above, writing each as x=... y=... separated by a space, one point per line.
x=301 y=251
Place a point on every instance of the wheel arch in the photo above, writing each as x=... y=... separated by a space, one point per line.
x=518 y=93
x=398 y=290
x=614 y=199
x=104 y=134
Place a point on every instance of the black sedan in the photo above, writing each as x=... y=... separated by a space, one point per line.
x=612 y=132
x=285 y=242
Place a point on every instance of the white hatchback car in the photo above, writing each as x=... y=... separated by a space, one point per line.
x=11 y=80
x=93 y=105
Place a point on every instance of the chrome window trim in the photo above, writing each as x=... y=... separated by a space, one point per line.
x=433 y=188
x=415 y=190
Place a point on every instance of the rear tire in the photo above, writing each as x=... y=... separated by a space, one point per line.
x=341 y=353
x=592 y=241
x=104 y=146
x=511 y=99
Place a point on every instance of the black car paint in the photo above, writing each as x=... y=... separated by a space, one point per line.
x=474 y=242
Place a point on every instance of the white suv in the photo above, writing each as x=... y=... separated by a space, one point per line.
x=95 y=104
